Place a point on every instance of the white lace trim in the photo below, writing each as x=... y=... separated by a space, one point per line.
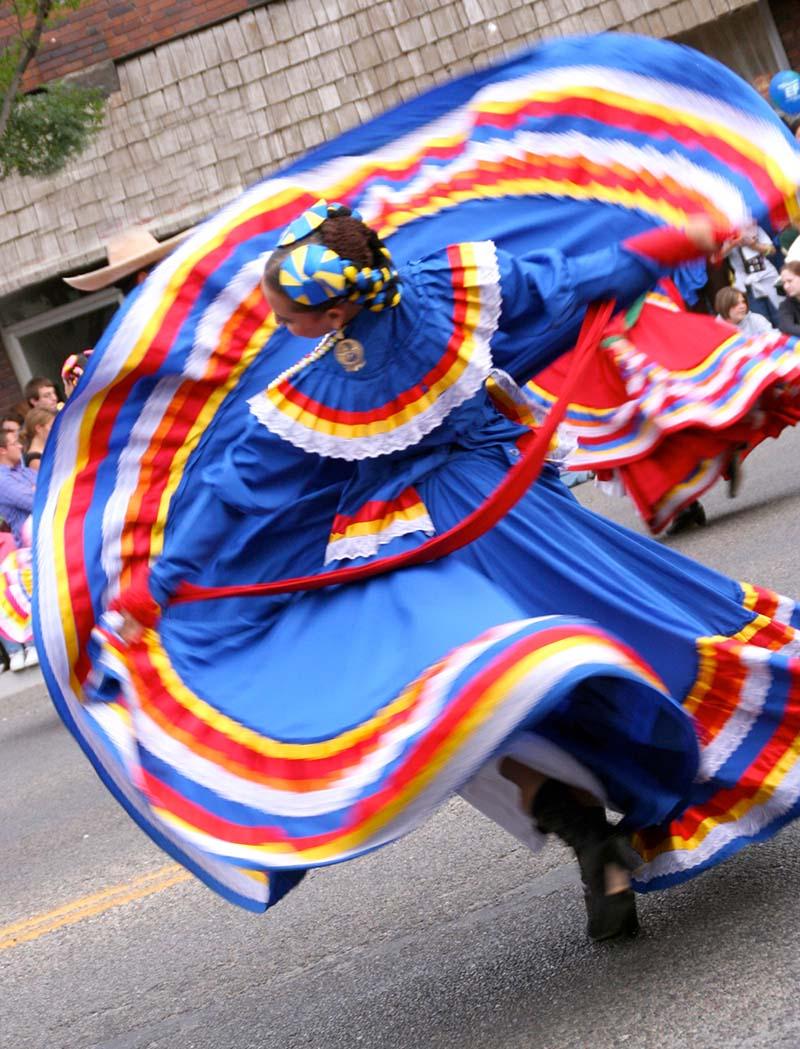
x=412 y=432
x=368 y=545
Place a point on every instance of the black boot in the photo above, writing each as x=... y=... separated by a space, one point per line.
x=597 y=844
x=692 y=515
x=734 y=475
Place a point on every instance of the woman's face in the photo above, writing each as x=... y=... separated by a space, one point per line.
x=791 y=283
x=43 y=429
x=738 y=311
x=300 y=322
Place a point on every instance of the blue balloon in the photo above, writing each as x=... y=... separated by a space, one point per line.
x=784 y=90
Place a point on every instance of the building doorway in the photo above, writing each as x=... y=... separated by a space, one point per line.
x=40 y=344
x=746 y=41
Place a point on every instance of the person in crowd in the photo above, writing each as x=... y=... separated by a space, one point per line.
x=754 y=272
x=72 y=369
x=16 y=589
x=12 y=423
x=131 y=254
x=789 y=312
x=38 y=423
x=17 y=486
x=664 y=461
x=41 y=393
x=731 y=306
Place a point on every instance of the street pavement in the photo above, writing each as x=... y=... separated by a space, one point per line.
x=454 y=937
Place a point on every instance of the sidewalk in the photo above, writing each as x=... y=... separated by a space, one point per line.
x=13 y=682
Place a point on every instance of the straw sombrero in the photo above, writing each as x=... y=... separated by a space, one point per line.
x=128 y=251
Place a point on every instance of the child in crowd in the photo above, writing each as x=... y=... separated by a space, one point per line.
x=731 y=306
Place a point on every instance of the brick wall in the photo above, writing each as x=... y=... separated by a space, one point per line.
x=787 y=20
x=102 y=30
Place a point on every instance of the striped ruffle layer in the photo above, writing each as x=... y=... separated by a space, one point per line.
x=16 y=586
x=746 y=707
x=238 y=803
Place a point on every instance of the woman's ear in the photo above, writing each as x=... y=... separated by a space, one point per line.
x=338 y=316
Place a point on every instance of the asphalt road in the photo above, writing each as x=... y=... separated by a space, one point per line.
x=455 y=937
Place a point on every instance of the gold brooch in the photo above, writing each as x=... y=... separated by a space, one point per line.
x=350 y=354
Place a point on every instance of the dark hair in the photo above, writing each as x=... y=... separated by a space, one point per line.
x=12 y=417
x=4 y=436
x=349 y=237
x=34 y=386
x=726 y=299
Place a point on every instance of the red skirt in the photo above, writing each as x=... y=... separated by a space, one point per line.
x=671 y=399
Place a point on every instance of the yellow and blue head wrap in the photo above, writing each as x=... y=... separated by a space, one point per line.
x=312 y=274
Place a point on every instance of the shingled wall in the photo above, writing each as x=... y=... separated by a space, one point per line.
x=199 y=117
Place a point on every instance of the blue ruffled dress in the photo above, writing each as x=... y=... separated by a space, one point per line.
x=384 y=696
x=255 y=737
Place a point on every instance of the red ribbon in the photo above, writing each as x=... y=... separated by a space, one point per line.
x=510 y=490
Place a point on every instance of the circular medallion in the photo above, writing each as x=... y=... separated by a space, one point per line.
x=350 y=354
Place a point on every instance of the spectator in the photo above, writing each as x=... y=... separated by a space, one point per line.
x=41 y=393
x=131 y=254
x=38 y=423
x=756 y=274
x=16 y=585
x=731 y=306
x=789 y=313
x=17 y=485
x=11 y=423
x=72 y=369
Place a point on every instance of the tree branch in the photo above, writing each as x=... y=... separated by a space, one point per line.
x=31 y=46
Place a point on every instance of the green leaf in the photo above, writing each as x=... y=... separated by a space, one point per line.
x=48 y=128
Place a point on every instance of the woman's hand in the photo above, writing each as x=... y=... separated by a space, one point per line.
x=704 y=235
x=131 y=629
x=137 y=609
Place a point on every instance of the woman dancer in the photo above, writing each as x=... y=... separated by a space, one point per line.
x=260 y=733
x=16 y=586
x=674 y=402
x=332 y=279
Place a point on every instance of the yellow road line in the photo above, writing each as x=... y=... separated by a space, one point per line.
x=88 y=906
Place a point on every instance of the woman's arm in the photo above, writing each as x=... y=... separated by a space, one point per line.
x=544 y=294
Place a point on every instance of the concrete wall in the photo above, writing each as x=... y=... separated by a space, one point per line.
x=197 y=118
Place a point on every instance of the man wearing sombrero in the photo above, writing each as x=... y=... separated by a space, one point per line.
x=132 y=251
